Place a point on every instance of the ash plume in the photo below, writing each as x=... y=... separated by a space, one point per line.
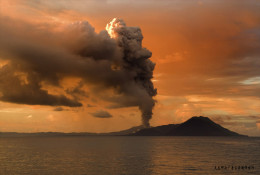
x=135 y=60
x=33 y=60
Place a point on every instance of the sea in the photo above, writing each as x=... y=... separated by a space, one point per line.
x=129 y=155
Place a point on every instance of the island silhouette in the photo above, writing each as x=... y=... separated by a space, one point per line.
x=195 y=126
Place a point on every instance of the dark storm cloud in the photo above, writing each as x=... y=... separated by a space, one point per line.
x=77 y=91
x=12 y=90
x=46 y=62
x=101 y=114
x=37 y=55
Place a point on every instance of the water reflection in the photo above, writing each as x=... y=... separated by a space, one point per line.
x=126 y=155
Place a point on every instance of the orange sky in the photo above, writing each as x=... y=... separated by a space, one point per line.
x=207 y=56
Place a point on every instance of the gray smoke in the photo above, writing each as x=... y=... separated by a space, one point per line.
x=34 y=55
x=135 y=61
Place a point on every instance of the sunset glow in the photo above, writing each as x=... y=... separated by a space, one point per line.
x=207 y=56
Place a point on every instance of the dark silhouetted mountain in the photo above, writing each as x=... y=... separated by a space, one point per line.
x=195 y=126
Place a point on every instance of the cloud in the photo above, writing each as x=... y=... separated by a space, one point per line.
x=58 y=109
x=47 y=54
x=13 y=90
x=239 y=123
x=210 y=51
x=101 y=114
x=29 y=116
x=210 y=56
x=90 y=105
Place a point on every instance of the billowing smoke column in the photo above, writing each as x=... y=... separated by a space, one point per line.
x=111 y=65
x=136 y=60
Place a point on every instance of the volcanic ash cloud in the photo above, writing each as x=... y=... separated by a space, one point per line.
x=136 y=61
x=111 y=59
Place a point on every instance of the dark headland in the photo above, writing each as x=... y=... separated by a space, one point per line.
x=195 y=126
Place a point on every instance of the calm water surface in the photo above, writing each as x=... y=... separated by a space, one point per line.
x=127 y=155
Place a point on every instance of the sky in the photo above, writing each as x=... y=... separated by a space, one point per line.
x=206 y=55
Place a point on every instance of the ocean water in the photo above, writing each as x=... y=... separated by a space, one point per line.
x=116 y=155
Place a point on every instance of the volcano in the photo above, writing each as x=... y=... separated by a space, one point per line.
x=195 y=126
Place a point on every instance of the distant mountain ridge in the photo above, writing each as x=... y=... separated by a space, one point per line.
x=56 y=134
x=125 y=132
x=195 y=126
